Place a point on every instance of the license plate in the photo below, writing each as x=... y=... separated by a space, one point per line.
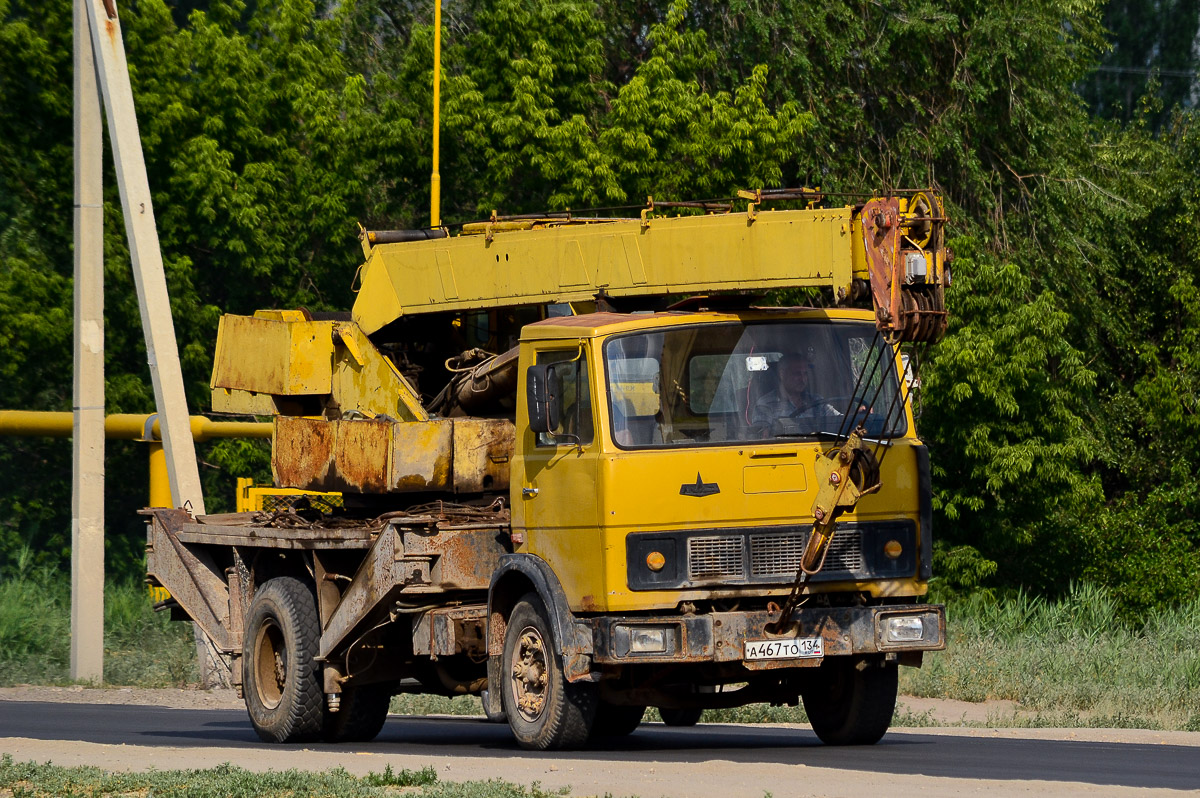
x=786 y=648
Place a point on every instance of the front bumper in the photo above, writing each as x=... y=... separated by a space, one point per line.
x=721 y=637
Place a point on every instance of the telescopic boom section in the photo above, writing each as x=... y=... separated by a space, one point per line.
x=889 y=248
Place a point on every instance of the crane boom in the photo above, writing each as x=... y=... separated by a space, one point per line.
x=894 y=244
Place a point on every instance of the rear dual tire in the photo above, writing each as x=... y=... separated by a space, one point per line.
x=282 y=681
x=280 y=676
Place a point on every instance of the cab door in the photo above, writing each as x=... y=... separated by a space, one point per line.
x=555 y=504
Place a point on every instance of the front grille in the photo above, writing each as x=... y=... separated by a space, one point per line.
x=768 y=555
x=716 y=556
x=779 y=555
x=776 y=555
x=845 y=552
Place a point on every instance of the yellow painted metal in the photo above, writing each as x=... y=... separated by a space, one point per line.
x=435 y=178
x=556 y=504
x=572 y=263
x=274 y=355
x=160 y=482
x=371 y=385
x=124 y=426
x=597 y=325
x=242 y=403
x=252 y=498
x=589 y=499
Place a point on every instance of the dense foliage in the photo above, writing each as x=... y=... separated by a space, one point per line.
x=1061 y=410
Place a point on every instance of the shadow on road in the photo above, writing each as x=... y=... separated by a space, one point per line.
x=1123 y=764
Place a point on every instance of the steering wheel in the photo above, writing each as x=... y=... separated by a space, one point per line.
x=834 y=402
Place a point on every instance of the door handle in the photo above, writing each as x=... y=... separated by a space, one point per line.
x=529 y=493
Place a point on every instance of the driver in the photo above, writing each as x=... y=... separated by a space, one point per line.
x=793 y=398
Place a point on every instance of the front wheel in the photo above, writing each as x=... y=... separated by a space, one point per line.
x=280 y=676
x=852 y=702
x=616 y=720
x=545 y=711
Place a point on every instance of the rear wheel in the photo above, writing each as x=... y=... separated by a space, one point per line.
x=360 y=718
x=852 y=702
x=280 y=677
x=680 y=717
x=615 y=720
x=545 y=711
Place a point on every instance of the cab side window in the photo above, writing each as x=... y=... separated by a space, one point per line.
x=575 y=418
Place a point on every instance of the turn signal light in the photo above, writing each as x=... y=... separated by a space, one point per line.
x=892 y=549
x=655 y=561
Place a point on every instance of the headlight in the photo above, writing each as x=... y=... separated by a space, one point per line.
x=648 y=640
x=904 y=629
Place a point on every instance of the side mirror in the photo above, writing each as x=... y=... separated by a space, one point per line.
x=544 y=390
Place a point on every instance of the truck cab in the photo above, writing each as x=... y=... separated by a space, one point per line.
x=664 y=486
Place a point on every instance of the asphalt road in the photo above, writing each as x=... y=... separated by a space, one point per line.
x=899 y=754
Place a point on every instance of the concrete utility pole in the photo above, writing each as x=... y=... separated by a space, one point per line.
x=102 y=72
x=162 y=352
x=87 y=485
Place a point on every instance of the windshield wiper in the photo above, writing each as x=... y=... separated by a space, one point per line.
x=824 y=435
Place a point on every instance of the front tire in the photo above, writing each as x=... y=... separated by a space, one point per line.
x=852 y=702
x=545 y=711
x=616 y=720
x=280 y=677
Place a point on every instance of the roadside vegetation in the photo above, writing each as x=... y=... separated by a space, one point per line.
x=1071 y=662
x=141 y=647
x=30 y=780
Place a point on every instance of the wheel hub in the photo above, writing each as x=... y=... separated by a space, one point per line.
x=270 y=664
x=528 y=673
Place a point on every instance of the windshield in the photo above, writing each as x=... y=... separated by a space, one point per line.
x=745 y=383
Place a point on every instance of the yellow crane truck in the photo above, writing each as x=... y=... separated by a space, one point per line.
x=583 y=472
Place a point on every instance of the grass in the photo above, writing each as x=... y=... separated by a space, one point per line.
x=436 y=705
x=30 y=780
x=1069 y=662
x=1065 y=663
x=141 y=647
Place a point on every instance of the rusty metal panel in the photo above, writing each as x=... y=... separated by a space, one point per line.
x=313 y=454
x=193 y=580
x=482 y=451
x=302 y=452
x=465 y=559
x=463 y=455
x=448 y=631
x=361 y=451
x=289 y=357
x=371 y=585
x=422 y=455
x=336 y=538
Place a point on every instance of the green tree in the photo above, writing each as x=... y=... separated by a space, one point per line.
x=1152 y=54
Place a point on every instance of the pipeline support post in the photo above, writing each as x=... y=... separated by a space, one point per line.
x=435 y=179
